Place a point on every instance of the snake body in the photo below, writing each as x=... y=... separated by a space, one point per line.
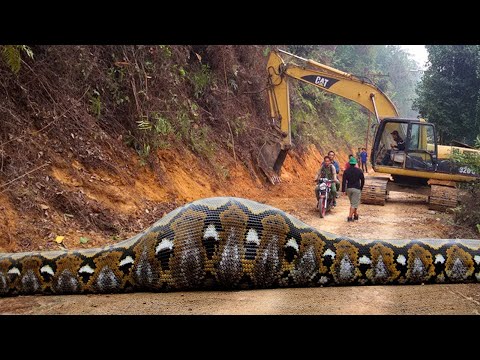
x=233 y=243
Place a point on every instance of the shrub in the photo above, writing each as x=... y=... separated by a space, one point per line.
x=468 y=212
x=200 y=80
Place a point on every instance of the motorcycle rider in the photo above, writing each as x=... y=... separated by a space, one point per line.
x=327 y=170
x=331 y=155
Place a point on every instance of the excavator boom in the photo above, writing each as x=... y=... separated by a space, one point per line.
x=322 y=76
x=334 y=81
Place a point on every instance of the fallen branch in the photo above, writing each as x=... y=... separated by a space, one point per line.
x=21 y=176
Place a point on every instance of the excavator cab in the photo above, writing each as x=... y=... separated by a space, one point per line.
x=405 y=144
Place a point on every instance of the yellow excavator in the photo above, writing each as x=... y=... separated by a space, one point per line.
x=419 y=166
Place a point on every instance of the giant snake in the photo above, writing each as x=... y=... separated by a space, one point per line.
x=233 y=243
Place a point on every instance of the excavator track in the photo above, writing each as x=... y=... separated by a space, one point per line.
x=375 y=191
x=442 y=198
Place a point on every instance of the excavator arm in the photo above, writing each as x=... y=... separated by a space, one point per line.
x=324 y=77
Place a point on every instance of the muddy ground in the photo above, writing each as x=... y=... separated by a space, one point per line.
x=404 y=216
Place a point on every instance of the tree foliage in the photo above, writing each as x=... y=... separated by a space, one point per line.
x=448 y=94
x=12 y=55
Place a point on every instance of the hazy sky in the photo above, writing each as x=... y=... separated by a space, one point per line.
x=418 y=52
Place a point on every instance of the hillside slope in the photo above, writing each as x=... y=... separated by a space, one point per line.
x=98 y=142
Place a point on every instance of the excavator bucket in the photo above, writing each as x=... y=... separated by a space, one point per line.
x=273 y=153
x=270 y=160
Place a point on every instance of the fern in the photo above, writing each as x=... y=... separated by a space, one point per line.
x=12 y=55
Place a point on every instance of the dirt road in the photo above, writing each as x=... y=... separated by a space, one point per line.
x=404 y=216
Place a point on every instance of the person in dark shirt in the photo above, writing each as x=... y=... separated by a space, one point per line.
x=352 y=185
x=400 y=146
x=359 y=160
x=400 y=142
x=347 y=164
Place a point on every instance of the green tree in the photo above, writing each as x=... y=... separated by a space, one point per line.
x=448 y=94
x=401 y=79
x=355 y=59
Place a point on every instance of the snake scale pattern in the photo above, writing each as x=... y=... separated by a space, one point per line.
x=233 y=243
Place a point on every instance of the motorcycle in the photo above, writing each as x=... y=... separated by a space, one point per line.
x=325 y=201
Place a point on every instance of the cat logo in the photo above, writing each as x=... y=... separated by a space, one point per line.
x=321 y=81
